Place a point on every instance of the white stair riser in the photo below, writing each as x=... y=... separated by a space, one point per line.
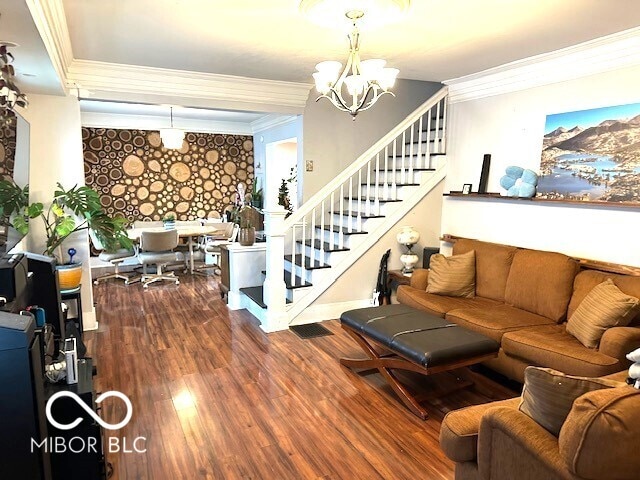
x=306 y=274
x=354 y=205
x=400 y=176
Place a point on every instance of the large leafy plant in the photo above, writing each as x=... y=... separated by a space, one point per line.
x=71 y=210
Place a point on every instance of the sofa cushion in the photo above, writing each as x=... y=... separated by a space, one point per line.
x=600 y=437
x=438 y=304
x=459 y=430
x=453 y=276
x=548 y=395
x=586 y=280
x=541 y=282
x=493 y=262
x=604 y=307
x=494 y=321
x=551 y=346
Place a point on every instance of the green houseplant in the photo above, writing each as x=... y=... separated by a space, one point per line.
x=70 y=211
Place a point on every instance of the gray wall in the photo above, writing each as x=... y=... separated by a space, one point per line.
x=333 y=141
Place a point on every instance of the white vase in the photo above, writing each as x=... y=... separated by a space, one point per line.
x=408 y=236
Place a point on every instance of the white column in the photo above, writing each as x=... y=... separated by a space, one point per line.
x=274 y=289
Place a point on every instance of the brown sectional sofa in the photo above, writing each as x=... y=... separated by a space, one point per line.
x=523 y=298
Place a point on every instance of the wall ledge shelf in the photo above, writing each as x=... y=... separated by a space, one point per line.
x=494 y=196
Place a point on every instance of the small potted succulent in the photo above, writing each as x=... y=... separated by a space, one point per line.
x=169 y=221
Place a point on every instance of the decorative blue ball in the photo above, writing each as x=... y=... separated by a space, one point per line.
x=519 y=182
x=72 y=251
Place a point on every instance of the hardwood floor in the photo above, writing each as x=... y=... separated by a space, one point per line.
x=217 y=398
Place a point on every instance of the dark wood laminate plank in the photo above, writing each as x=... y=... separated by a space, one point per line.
x=219 y=399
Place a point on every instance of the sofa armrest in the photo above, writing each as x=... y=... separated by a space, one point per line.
x=512 y=445
x=618 y=341
x=419 y=278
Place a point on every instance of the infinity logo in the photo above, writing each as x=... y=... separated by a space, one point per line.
x=94 y=415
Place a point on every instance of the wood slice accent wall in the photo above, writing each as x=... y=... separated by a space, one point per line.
x=7 y=150
x=140 y=179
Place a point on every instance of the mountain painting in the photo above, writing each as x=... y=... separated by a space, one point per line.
x=592 y=155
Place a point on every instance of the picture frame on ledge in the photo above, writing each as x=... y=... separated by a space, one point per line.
x=466 y=189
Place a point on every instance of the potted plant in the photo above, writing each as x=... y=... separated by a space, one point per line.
x=70 y=211
x=247 y=233
x=169 y=221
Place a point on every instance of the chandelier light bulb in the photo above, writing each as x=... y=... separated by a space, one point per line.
x=363 y=81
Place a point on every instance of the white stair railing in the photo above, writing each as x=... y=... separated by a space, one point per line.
x=357 y=192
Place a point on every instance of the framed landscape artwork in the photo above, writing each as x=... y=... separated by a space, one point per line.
x=592 y=155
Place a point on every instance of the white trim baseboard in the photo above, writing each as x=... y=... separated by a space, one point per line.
x=328 y=311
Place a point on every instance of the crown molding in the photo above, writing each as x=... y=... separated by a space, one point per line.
x=152 y=122
x=51 y=23
x=604 y=54
x=240 y=93
x=271 y=121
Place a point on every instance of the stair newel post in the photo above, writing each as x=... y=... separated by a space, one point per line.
x=443 y=140
x=274 y=289
x=424 y=162
x=387 y=193
x=428 y=147
x=411 y=154
x=376 y=202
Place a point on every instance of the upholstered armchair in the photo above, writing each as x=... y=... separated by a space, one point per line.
x=598 y=440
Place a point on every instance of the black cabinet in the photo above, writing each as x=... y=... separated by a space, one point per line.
x=81 y=455
x=22 y=401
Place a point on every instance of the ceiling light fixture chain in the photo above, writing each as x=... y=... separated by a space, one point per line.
x=364 y=81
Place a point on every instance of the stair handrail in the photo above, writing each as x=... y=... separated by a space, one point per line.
x=361 y=161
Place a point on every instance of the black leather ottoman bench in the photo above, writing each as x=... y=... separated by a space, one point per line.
x=410 y=339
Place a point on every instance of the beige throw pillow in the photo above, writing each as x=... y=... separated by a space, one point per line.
x=605 y=306
x=454 y=276
x=548 y=395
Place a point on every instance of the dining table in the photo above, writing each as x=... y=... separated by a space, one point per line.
x=184 y=231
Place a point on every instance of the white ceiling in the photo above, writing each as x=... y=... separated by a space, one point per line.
x=437 y=40
x=16 y=25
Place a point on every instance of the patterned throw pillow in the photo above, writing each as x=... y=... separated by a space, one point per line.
x=605 y=306
x=454 y=276
x=548 y=395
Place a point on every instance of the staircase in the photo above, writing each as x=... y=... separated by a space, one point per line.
x=334 y=228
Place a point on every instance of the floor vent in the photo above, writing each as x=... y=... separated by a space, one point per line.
x=310 y=330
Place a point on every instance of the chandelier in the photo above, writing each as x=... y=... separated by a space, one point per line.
x=172 y=137
x=359 y=86
x=10 y=95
